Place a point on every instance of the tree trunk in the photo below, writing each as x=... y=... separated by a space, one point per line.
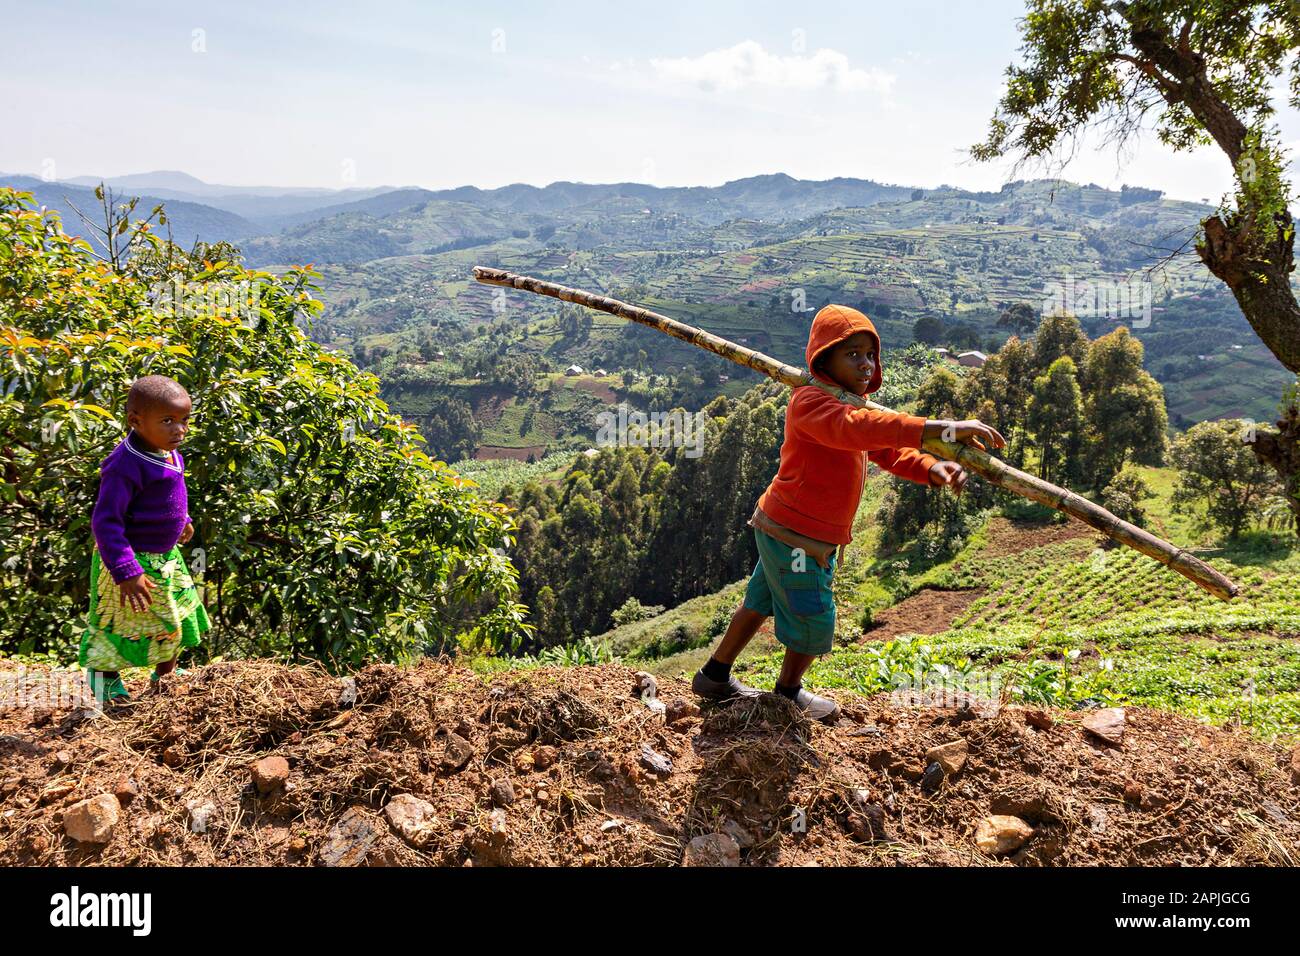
x=1260 y=278
x=1280 y=450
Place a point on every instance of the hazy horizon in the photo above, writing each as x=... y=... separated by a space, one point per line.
x=543 y=185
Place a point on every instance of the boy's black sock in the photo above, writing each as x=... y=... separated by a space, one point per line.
x=791 y=692
x=716 y=670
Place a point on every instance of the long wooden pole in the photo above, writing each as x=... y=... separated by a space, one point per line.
x=992 y=469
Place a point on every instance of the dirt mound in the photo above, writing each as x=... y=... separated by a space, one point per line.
x=928 y=611
x=437 y=765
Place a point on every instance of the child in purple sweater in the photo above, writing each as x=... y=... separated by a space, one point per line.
x=143 y=604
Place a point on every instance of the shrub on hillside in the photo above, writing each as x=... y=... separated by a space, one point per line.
x=1218 y=468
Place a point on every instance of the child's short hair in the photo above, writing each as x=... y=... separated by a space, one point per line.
x=152 y=390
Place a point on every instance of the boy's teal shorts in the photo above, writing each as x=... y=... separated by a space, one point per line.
x=800 y=600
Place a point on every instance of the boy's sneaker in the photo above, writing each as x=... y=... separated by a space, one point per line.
x=817 y=707
x=720 y=690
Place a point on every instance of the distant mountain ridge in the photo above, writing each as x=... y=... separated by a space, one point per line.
x=188 y=220
x=268 y=210
x=776 y=196
x=259 y=205
x=181 y=182
x=396 y=261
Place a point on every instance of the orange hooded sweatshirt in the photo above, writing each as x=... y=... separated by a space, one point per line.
x=828 y=443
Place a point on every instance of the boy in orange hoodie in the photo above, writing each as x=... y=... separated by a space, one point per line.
x=808 y=508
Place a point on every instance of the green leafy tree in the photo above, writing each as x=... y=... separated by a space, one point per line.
x=1021 y=318
x=999 y=393
x=1124 y=407
x=940 y=394
x=928 y=329
x=450 y=428
x=1217 y=469
x=1123 y=498
x=1059 y=335
x=1055 y=422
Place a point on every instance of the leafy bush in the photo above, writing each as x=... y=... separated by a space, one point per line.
x=633 y=610
x=721 y=620
x=940 y=522
x=585 y=651
x=1218 y=468
x=678 y=638
x=1124 y=495
x=322 y=530
x=907 y=662
x=1056 y=683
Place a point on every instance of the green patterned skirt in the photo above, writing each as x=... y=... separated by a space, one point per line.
x=118 y=636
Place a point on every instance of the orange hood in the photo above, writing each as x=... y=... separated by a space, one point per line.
x=834 y=323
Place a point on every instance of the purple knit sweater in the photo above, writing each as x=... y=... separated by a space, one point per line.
x=142 y=506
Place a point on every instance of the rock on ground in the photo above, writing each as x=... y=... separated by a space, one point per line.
x=270 y=774
x=412 y=818
x=349 y=841
x=712 y=849
x=951 y=756
x=458 y=752
x=1000 y=834
x=201 y=811
x=655 y=762
x=502 y=792
x=1107 y=724
x=92 y=820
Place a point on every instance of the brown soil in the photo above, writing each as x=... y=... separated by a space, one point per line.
x=596 y=387
x=1012 y=537
x=489 y=408
x=570 y=742
x=928 y=611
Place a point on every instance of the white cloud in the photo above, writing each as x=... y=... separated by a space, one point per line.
x=747 y=64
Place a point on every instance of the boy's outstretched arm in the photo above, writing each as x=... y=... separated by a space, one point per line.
x=969 y=431
x=909 y=463
x=820 y=417
x=825 y=419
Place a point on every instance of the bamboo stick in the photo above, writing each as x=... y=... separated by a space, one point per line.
x=973 y=459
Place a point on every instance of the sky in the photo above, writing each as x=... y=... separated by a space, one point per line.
x=419 y=93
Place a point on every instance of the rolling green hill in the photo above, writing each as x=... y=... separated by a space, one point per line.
x=953 y=255
x=751 y=260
